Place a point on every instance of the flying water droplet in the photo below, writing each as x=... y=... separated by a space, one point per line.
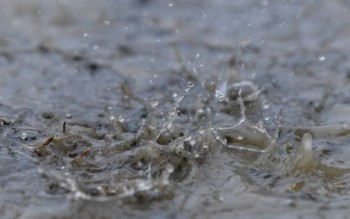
x=190 y=84
x=192 y=142
x=121 y=119
x=24 y=136
x=172 y=113
x=239 y=137
x=221 y=92
x=321 y=58
x=169 y=168
x=266 y=104
x=153 y=78
x=106 y=22
x=174 y=94
x=154 y=102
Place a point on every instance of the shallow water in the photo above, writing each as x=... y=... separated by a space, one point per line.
x=163 y=109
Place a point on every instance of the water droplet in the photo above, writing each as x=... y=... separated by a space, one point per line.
x=85 y=34
x=153 y=78
x=200 y=111
x=291 y=203
x=95 y=47
x=174 y=94
x=239 y=137
x=221 y=98
x=169 y=168
x=267 y=118
x=321 y=58
x=265 y=3
x=266 y=104
x=112 y=117
x=106 y=22
x=68 y=116
x=172 y=113
x=197 y=55
x=24 y=136
x=121 y=119
x=190 y=84
x=154 y=102
x=192 y=142
x=205 y=146
x=171 y=4
x=221 y=92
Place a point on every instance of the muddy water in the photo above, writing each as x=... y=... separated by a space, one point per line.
x=174 y=109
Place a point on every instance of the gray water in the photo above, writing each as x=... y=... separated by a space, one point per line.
x=173 y=109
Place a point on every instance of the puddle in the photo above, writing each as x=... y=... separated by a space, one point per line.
x=174 y=109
